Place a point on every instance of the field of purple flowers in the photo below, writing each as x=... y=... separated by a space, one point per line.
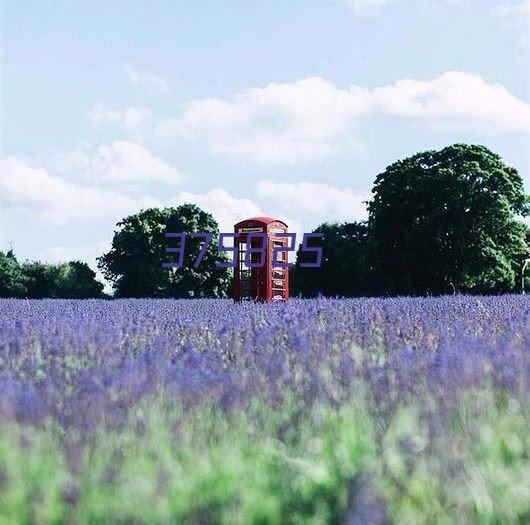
x=314 y=411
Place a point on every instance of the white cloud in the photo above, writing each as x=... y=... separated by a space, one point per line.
x=128 y=120
x=56 y=200
x=292 y=122
x=126 y=161
x=119 y=161
x=367 y=7
x=315 y=201
x=147 y=80
x=311 y=119
x=226 y=208
x=454 y=100
x=51 y=199
x=516 y=17
x=280 y=123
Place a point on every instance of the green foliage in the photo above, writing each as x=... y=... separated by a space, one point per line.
x=445 y=221
x=79 y=282
x=43 y=279
x=70 y=280
x=31 y=477
x=12 y=279
x=345 y=263
x=473 y=470
x=272 y=465
x=210 y=468
x=36 y=280
x=134 y=263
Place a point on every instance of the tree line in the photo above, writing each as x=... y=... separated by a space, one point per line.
x=38 y=280
x=446 y=221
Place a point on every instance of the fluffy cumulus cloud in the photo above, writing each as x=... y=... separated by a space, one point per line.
x=298 y=121
x=118 y=161
x=311 y=119
x=147 y=80
x=454 y=100
x=55 y=200
x=226 y=208
x=290 y=122
x=315 y=202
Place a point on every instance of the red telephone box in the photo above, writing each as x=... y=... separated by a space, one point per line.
x=268 y=282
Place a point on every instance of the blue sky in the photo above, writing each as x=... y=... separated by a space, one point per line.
x=288 y=108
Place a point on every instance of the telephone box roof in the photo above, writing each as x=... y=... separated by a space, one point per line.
x=262 y=219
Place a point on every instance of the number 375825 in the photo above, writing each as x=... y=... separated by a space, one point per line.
x=252 y=253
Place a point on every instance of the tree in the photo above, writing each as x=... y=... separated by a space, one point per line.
x=69 y=280
x=12 y=279
x=42 y=279
x=446 y=220
x=344 y=270
x=134 y=263
x=79 y=282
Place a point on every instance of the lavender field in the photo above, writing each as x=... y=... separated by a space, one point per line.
x=314 y=411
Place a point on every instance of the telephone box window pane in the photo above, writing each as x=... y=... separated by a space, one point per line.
x=246 y=284
x=245 y=276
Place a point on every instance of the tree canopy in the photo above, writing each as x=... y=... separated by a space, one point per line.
x=69 y=280
x=12 y=278
x=345 y=263
x=443 y=221
x=134 y=263
x=37 y=280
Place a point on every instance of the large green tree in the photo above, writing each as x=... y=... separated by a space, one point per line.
x=12 y=278
x=446 y=220
x=134 y=263
x=345 y=263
